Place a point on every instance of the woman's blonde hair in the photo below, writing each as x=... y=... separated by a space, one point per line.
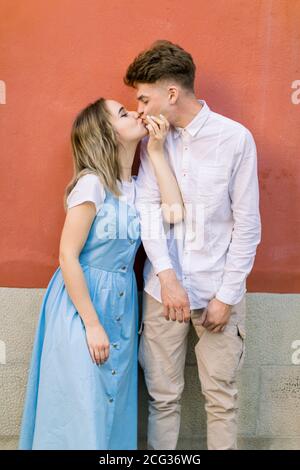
x=95 y=148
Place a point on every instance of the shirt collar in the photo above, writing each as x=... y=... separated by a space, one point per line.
x=196 y=123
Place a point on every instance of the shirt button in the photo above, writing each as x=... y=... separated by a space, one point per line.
x=118 y=318
x=115 y=345
x=123 y=268
x=113 y=372
x=121 y=294
x=131 y=242
x=111 y=400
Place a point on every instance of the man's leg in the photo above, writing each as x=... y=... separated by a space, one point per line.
x=162 y=353
x=219 y=357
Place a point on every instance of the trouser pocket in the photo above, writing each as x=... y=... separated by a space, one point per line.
x=242 y=334
x=141 y=327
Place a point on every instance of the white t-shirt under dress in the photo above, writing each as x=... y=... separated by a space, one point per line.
x=90 y=188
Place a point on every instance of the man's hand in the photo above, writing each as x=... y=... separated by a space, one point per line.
x=174 y=297
x=217 y=315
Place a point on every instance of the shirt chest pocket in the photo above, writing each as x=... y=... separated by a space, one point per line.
x=212 y=183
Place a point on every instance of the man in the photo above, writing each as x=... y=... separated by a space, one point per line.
x=199 y=272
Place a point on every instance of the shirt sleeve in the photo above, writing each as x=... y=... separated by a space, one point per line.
x=148 y=204
x=87 y=188
x=246 y=235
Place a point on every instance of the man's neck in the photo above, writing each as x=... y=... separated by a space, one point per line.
x=186 y=111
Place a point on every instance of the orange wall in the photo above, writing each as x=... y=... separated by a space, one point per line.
x=58 y=55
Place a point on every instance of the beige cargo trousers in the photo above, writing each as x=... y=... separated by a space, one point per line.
x=162 y=353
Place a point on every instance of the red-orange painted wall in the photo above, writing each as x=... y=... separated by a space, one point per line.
x=58 y=55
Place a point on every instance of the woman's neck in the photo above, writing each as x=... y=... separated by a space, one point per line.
x=126 y=157
x=126 y=174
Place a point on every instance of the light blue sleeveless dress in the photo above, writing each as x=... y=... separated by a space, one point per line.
x=70 y=402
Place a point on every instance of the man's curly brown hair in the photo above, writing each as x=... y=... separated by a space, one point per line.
x=163 y=60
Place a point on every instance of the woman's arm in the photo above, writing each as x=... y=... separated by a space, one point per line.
x=74 y=234
x=172 y=204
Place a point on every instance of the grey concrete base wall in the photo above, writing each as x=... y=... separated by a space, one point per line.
x=269 y=382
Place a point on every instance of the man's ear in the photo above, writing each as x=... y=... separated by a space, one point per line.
x=173 y=93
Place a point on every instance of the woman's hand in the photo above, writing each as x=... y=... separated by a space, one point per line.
x=98 y=343
x=158 y=128
x=171 y=199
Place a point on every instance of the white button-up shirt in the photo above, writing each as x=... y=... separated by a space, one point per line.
x=212 y=251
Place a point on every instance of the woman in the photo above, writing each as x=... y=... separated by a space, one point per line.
x=82 y=387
